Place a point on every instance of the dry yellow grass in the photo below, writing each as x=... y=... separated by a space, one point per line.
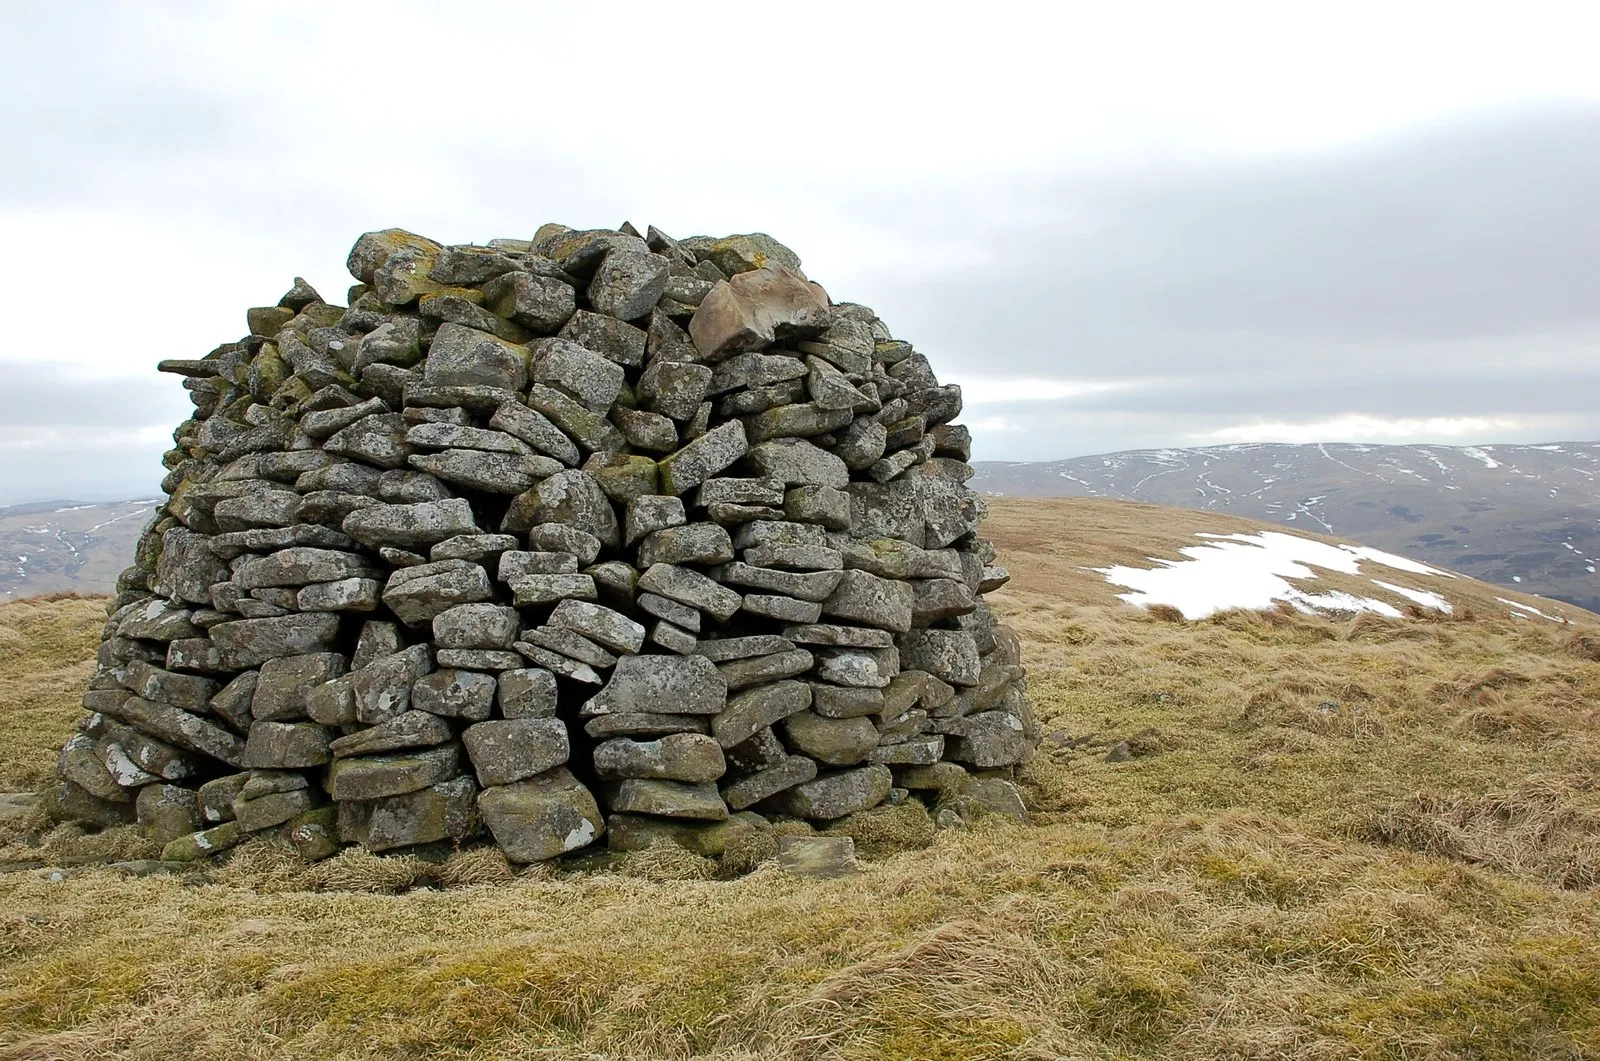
x=1334 y=838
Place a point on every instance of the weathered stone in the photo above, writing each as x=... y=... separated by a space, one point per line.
x=284 y=684
x=673 y=638
x=176 y=726
x=474 y=547
x=629 y=281
x=532 y=590
x=703 y=458
x=680 y=615
x=922 y=750
x=689 y=757
x=464 y=357
x=408 y=526
x=555 y=662
x=204 y=844
x=834 y=701
x=722 y=649
x=541 y=303
x=570 y=497
x=507 y=750
x=805 y=420
x=527 y=693
x=833 y=741
x=188 y=691
x=826 y=857
x=563 y=538
x=694 y=543
x=755 y=710
x=592 y=431
x=345 y=595
x=993 y=795
x=623 y=476
x=784 y=609
x=451 y=693
x=484 y=659
x=411 y=729
x=78 y=763
x=743 y=673
x=854 y=667
x=537 y=431
x=541 y=817
x=583 y=374
x=797 y=462
x=755 y=308
x=684 y=685
x=842 y=636
x=491 y=473
x=709 y=839
x=378 y=776
x=990 y=739
x=417 y=594
x=571 y=644
x=275 y=808
x=476 y=626
x=287 y=746
x=668 y=799
x=950 y=655
x=646 y=430
x=166 y=812
x=690 y=588
x=649 y=514
x=599 y=623
x=186 y=568
x=606 y=336
x=805 y=586
x=445 y=811
x=835 y=795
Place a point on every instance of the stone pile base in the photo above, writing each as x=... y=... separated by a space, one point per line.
x=594 y=536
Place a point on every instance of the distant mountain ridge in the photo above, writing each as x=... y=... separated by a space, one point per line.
x=1522 y=516
x=55 y=546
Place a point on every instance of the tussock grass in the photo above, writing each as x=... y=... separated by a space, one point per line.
x=1330 y=838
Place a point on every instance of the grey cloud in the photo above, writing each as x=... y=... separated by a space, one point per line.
x=1485 y=225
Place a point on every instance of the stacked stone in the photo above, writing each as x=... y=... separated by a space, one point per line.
x=594 y=532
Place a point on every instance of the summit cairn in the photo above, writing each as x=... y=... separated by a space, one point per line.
x=594 y=536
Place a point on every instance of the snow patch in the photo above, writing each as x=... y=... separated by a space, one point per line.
x=1421 y=596
x=1252 y=571
x=1477 y=454
x=1528 y=608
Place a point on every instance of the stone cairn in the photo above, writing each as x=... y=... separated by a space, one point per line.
x=593 y=535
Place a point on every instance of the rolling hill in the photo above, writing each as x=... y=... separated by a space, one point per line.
x=1524 y=517
x=64 y=546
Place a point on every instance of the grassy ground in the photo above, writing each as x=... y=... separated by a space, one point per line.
x=1332 y=838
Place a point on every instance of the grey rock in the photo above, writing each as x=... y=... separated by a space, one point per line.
x=643 y=724
x=785 y=609
x=474 y=547
x=690 y=588
x=835 y=795
x=629 y=282
x=950 y=655
x=804 y=420
x=668 y=799
x=769 y=781
x=540 y=303
x=680 y=615
x=852 y=667
x=673 y=638
x=513 y=749
x=287 y=746
x=345 y=595
x=865 y=598
x=541 y=817
x=374 y=777
x=994 y=795
x=527 y=693
x=377 y=639
x=759 y=752
x=476 y=626
x=570 y=497
x=723 y=649
x=684 y=685
x=699 y=460
x=411 y=729
x=833 y=741
x=382 y=689
x=493 y=473
x=592 y=431
x=694 y=543
x=379 y=439
x=401 y=487
x=599 y=623
x=842 y=636
x=916 y=751
x=408 y=526
x=650 y=513
x=166 y=812
x=284 y=684
x=571 y=644
x=452 y=693
x=188 y=691
x=940 y=776
x=77 y=762
x=532 y=590
x=834 y=701
x=805 y=586
x=452 y=436
x=818 y=856
x=445 y=811
x=537 y=431
x=562 y=538
x=689 y=757
x=646 y=430
x=673 y=389
x=248 y=643
x=757 y=709
x=187 y=567
x=797 y=462
x=581 y=373
x=795 y=557
x=755 y=370
x=990 y=739
x=517 y=564
x=824 y=505
x=464 y=357
x=565 y=666
x=484 y=659
x=607 y=336
x=254 y=815
x=417 y=594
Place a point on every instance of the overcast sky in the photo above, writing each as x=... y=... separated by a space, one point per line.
x=1116 y=225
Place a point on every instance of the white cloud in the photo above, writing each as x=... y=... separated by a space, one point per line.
x=978 y=390
x=1361 y=428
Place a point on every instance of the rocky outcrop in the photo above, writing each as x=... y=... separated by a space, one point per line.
x=539 y=535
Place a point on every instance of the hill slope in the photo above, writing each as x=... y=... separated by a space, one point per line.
x=1258 y=835
x=1526 y=517
x=61 y=546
